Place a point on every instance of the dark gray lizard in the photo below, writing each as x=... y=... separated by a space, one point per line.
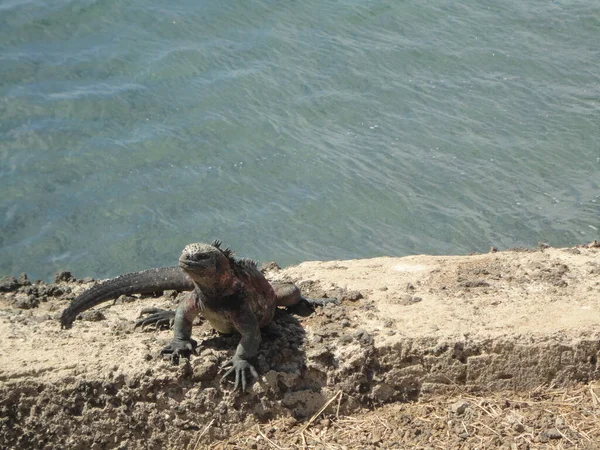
x=232 y=294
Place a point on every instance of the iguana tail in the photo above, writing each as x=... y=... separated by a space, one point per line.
x=145 y=282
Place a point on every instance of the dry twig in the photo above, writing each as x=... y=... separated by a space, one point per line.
x=196 y=447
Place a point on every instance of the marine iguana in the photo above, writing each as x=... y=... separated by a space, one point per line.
x=232 y=294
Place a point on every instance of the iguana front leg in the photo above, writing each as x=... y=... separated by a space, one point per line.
x=246 y=324
x=182 y=343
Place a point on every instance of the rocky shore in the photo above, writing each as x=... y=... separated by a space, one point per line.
x=496 y=350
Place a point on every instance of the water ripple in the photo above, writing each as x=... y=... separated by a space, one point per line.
x=293 y=130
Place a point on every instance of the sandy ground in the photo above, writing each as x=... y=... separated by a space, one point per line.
x=498 y=350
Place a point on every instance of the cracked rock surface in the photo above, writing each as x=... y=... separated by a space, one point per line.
x=407 y=330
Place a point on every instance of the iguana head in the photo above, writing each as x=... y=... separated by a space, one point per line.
x=206 y=264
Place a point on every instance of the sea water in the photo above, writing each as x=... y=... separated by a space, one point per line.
x=293 y=130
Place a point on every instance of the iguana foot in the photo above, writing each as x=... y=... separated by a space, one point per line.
x=160 y=318
x=321 y=301
x=239 y=366
x=306 y=306
x=180 y=348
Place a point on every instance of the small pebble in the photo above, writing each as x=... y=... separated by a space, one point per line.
x=459 y=407
x=553 y=433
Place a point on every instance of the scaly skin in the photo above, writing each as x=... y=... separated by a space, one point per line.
x=146 y=282
x=232 y=294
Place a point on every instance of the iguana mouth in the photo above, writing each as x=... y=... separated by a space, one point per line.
x=186 y=262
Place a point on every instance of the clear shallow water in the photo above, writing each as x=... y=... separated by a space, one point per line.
x=293 y=130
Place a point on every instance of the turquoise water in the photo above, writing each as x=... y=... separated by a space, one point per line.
x=293 y=130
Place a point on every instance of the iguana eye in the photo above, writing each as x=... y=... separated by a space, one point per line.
x=199 y=256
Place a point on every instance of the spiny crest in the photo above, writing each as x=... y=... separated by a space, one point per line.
x=227 y=252
x=241 y=263
x=247 y=262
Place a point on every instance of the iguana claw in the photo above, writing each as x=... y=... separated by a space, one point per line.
x=239 y=366
x=160 y=318
x=179 y=348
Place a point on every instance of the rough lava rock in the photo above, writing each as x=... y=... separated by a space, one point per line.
x=498 y=322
